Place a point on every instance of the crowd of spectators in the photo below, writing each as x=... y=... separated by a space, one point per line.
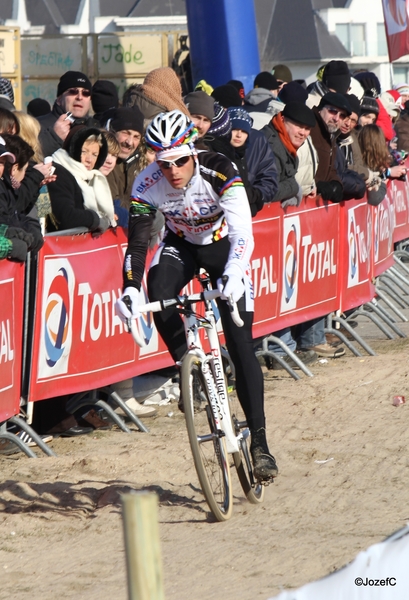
x=73 y=164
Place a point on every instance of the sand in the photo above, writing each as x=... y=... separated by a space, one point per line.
x=61 y=520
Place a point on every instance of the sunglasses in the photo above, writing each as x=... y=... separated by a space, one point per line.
x=166 y=164
x=335 y=111
x=77 y=92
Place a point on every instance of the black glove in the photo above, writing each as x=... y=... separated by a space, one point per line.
x=103 y=225
x=20 y=234
x=18 y=251
x=330 y=190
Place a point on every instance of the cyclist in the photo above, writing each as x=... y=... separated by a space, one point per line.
x=207 y=225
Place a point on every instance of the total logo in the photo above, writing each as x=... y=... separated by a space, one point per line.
x=291 y=254
x=56 y=325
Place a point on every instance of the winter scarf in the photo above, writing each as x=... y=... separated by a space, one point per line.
x=93 y=184
x=278 y=124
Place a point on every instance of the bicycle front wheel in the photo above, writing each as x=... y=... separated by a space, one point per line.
x=206 y=442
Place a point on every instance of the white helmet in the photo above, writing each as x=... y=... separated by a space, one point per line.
x=171 y=129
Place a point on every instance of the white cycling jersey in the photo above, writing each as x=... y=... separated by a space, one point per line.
x=213 y=205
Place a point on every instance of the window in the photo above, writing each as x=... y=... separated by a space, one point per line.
x=352 y=36
x=381 y=36
x=400 y=75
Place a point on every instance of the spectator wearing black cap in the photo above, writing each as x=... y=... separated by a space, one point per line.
x=104 y=96
x=227 y=96
x=347 y=140
x=259 y=98
x=38 y=107
x=127 y=125
x=286 y=132
x=372 y=89
x=335 y=78
x=74 y=96
x=239 y=87
x=369 y=111
x=254 y=159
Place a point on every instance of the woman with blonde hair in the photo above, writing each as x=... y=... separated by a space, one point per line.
x=29 y=131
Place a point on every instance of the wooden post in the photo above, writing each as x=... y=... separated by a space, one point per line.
x=142 y=547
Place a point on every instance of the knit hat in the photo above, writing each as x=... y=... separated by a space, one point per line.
x=402 y=88
x=200 y=103
x=104 y=96
x=119 y=119
x=266 y=80
x=369 y=105
x=227 y=95
x=354 y=103
x=299 y=113
x=221 y=126
x=162 y=86
x=73 y=79
x=336 y=76
x=6 y=89
x=238 y=85
x=282 y=73
x=38 y=107
x=240 y=119
x=337 y=100
x=390 y=105
x=369 y=82
x=293 y=92
x=74 y=142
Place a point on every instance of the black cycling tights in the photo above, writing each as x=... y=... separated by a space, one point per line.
x=178 y=262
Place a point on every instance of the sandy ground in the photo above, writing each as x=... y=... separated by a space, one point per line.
x=61 y=518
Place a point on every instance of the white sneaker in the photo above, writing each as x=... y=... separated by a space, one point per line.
x=138 y=409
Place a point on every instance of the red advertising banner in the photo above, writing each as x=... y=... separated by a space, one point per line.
x=79 y=341
x=383 y=227
x=297 y=254
x=398 y=193
x=11 y=336
x=396 y=27
x=356 y=251
x=308 y=261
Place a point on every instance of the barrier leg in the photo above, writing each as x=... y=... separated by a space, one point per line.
x=37 y=438
x=394 y=293
x=373 y=305
x=366 y=312
x=391 y=293
x=353 y=333
x=7 y=435
x=131 y=415
x=395 y=280
x=397 y=258
x=395 y=272
x=80 y=400
x=379 y=292
x=266 y=352
x=339 y=334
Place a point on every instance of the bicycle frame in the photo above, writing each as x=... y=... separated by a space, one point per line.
x=212 y=369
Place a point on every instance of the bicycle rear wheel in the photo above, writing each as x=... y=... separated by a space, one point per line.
x=208 y=446
x=253 y=490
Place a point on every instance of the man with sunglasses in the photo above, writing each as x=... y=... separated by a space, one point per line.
x=207 y=225
x=74 y=97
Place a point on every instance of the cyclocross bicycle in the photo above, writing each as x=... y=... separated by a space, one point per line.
x=214 y=419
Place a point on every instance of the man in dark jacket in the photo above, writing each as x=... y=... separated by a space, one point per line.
x=286 y=132
x=73 y=96
x=335 y=181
